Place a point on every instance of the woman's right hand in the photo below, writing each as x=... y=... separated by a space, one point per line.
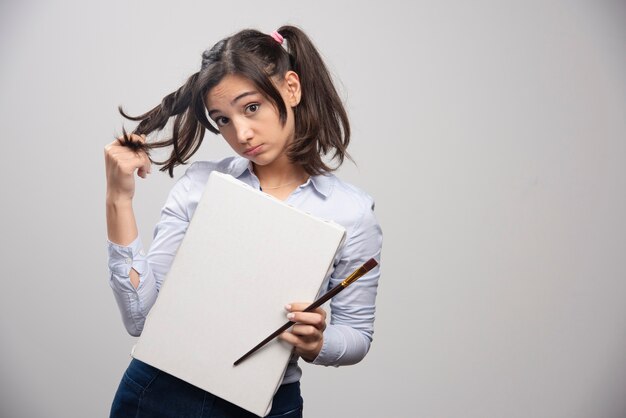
x=121 y=163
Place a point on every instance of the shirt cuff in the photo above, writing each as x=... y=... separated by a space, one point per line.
x=333 y=348
x=123 y=258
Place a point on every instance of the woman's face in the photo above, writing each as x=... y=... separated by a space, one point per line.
x=249 y=121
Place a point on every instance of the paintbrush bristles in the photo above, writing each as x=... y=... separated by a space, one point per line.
x=370 y=264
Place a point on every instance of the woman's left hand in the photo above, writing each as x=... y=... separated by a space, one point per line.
x=307 y=335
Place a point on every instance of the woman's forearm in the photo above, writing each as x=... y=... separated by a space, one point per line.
x=122 y=228
x=121 y=223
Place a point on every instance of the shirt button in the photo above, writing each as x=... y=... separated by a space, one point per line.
x=129 y=260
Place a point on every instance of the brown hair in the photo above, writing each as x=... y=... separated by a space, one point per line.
x=321 y=122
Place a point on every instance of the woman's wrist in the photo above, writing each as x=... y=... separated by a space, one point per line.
x=121 y=225
x=117 y=200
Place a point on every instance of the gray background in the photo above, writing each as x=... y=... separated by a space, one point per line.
x=492 y=135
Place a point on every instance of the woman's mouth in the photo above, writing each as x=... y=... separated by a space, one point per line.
x=253 y=151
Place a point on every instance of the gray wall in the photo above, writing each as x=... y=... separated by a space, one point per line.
x=492 y=135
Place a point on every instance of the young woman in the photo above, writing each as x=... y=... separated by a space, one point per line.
x=272 y=99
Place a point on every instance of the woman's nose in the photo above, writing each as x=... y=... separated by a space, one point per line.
x=244 y=132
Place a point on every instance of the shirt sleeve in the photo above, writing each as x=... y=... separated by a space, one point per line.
x=134 y=304
x=348 y=336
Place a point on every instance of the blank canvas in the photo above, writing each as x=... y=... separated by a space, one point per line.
x=244 y=256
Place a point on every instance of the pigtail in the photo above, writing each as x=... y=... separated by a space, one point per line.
x=322 y=124
x=187 y=133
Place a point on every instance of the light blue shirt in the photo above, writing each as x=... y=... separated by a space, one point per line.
x=347 y=337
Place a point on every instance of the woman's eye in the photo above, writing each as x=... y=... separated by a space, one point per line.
x=251 y=108
x=221 y=121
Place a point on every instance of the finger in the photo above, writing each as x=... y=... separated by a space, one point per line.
x=290 y=338
x=299 y=340
x=307 y=332
x=112 y=145
x=128 y=161
x=306 y=349
x=147 y=164
x=301 y=306
x=133 y=137
x=308 y=318
x=118 y=144
x=136 y=158
x=132 y=141
x=139 y=138
x=121 y=158
x=297 y=306
x=128 y=153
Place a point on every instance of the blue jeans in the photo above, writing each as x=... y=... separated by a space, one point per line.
x=147 y=392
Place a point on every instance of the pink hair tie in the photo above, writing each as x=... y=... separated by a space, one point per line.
x=277 y=37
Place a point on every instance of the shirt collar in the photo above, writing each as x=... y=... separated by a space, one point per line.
x=323 y=183
x=240 y=165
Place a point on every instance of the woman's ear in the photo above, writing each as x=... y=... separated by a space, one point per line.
x=292 y=88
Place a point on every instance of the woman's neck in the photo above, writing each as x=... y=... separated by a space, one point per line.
x=280 y=181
